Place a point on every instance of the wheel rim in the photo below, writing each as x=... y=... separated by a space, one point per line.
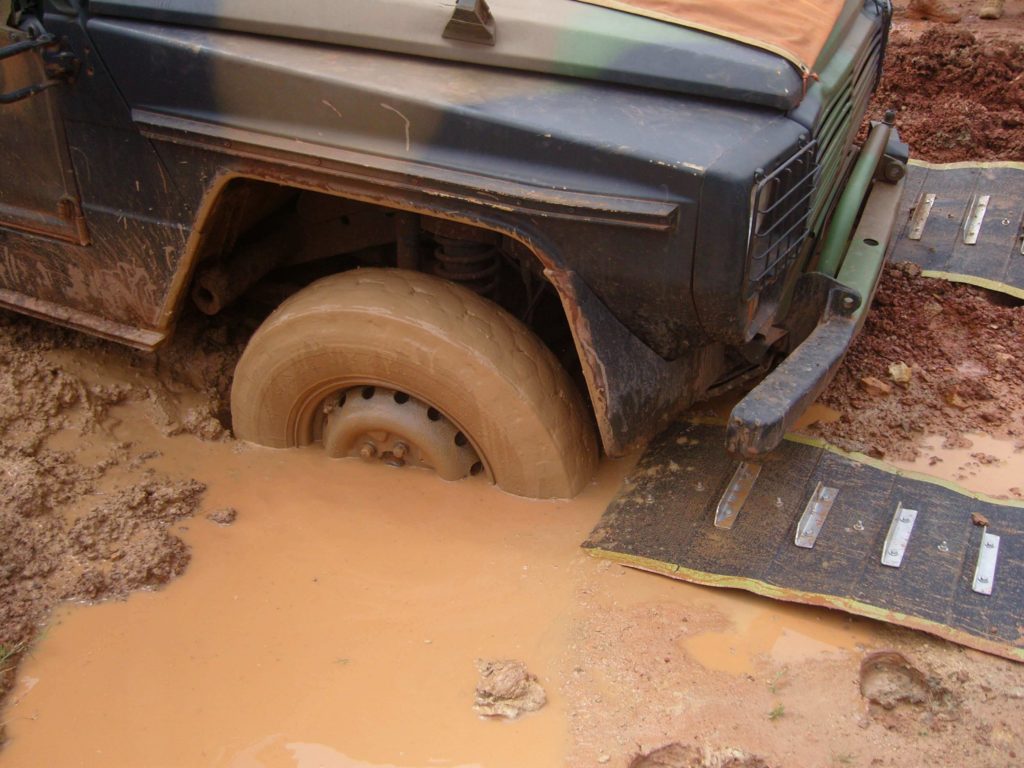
x=381 y=424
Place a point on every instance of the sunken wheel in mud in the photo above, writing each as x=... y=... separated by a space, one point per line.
x=409 y=369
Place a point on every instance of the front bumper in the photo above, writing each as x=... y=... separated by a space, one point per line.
x=760 y=420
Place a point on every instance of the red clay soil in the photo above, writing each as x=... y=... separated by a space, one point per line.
x=957 y=96
x=961 y=345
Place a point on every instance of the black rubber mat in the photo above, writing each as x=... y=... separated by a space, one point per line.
x=996 y=260
x=663 y=521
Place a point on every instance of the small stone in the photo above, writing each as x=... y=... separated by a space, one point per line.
x=954 y=399
x=875 y=387
x=224 y=516
x=979 y=519
x=604 y=759
x=900 y=373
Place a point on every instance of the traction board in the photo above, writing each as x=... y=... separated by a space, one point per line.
x=964 y=222
x=663 y=521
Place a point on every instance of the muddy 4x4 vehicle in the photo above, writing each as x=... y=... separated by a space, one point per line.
x=481 y=212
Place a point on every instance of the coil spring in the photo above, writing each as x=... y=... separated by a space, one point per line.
x=472 y=263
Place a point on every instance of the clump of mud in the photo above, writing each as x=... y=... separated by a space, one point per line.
x=70 y=530
x=689 y=756
x=934 y=357
x=506 y=689
x=956 y=97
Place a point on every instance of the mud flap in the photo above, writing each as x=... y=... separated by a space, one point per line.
x=965 y=222
x=663 y=520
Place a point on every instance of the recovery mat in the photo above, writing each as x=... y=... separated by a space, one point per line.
x=965 y=222
x=811 y=525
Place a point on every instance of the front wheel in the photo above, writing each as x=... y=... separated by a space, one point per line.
x=410 y=369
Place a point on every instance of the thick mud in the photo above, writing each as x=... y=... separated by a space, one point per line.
x=957 y=89
x=340 y=619
x=85 y=525
x=333 y=613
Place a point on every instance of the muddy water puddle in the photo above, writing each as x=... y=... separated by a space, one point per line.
x=337 y=623
x=760 y=634
x=982 y=463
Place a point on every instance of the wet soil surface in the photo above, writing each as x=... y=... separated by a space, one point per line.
x=338 y=620
x=934 y=358
x=957 y=89
x=96 y=527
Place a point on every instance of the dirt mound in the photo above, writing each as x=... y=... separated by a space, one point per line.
x=965 y=373
x=956 y=97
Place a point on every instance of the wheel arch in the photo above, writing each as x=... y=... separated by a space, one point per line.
x=563 y=280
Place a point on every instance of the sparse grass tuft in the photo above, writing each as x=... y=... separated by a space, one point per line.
x=779 y=680
x=9 y=651
x=777 y=711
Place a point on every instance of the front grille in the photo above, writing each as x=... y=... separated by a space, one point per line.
x=837 y=126
x=795 y=200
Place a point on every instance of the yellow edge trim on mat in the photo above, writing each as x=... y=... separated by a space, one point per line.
x=980 y=282
x=846 y=604
x=892 y=469
x=969 y=164
x=633 y=10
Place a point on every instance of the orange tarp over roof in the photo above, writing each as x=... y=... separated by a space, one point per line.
x=795 y=29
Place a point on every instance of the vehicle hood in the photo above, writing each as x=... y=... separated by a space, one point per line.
x=561 y=37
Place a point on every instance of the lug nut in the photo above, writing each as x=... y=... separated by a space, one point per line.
x=368 y=451
x=399 y=450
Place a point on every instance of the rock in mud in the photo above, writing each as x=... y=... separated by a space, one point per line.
x=678 y=755
x=900 y=373
x=224 y=516
x=874 y=386
x=506 y=689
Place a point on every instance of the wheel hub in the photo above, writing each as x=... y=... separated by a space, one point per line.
x=381 y=424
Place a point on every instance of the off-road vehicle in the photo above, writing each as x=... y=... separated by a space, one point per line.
x=502 y=224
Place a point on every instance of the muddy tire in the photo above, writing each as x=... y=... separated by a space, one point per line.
x=436 y=341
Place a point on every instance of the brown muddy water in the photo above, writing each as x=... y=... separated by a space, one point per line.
x=336 y=624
